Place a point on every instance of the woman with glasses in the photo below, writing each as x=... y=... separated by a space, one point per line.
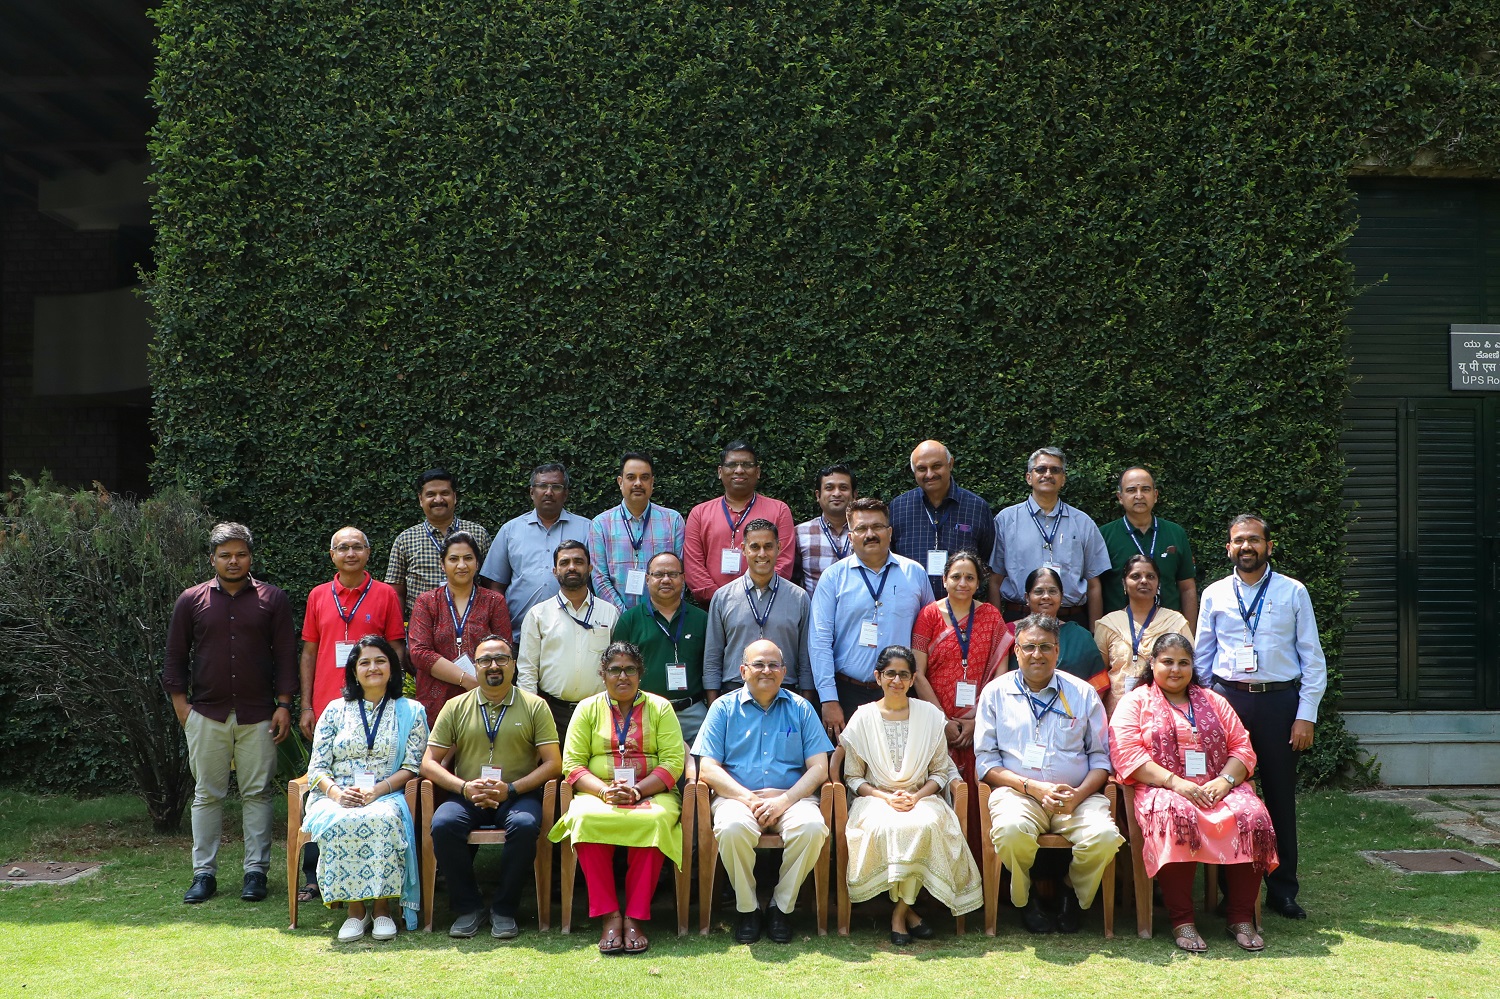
x=447 y=624
x=1076 y=651
x=1125 y=637
x=902 y=834
x=624 y=755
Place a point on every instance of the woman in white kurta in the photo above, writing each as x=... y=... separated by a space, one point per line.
x=902 y=834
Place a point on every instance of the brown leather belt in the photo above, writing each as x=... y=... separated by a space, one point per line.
x=1258 y=688
x=841 y=678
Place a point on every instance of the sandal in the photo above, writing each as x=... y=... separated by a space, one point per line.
x=1245 y=936
x=610 y=941
x=635 y=941
x=1189 y=939
x=309 y=892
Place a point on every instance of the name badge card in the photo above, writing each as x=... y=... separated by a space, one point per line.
x=625 y=775
x=1035 y=757
x=729 y=561
x=937 y=560
x=635 y=582
x=963 y=695
x=1194 y=762
x=1244 y=660
x=466 y=665
x=869 y=634
x=489 y=773
x=677 y=676
x=364 y=781
x=341 y=652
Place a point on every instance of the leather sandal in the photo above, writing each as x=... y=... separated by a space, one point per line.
x=1189 y=939
x=612 y=941
x=1245 y=936
x=635 y=941
x=308 y=893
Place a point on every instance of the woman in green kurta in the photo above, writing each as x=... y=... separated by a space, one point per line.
x=623 y=755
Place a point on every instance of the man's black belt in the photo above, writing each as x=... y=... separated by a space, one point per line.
x=557 y=702
x=1258 y=688
x=685 y=703
x=841 y=678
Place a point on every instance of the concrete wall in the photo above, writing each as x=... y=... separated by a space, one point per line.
x=1431 y=748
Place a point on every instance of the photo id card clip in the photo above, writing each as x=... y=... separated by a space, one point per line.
x=869 y=634
x=1035 y=757
x=1194 y=762
x=937 y=561
x=625 y=775
x=729 y=561
x=677 y=676
x=489 y=773
x=963 y=695
x=1245 y=660
x=635 y=582
x=341 y=652
x=364 y=781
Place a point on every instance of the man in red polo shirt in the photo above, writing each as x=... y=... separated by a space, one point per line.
x=339 y=613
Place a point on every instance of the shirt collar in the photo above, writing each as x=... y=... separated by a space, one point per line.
x=1018 y=687
x=625 y=513
x=532 y=518
x=347 y=591
x=1058 y=511
x=251 y=584
x=510 y=698
x=746 y=697
x=952 y=495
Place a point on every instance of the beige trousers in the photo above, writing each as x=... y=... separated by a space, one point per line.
x=213 y=749
x=801 y=828
x=1016 y=820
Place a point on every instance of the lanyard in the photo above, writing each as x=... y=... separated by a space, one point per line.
x=675 y=635
x=875 y=592
x=964 y=635
x=1136 y=637
x=1192 y=719
x=348 y=618
x=838 y=552
x=636 y=542
x=622 y=730
x=493 y=731
x=370 y=733
x=459 y=626
x=1131 y=531
x=437 y=542
x=761 y=619
x=1254 y=611
x=937 y=525
x=1037 y=518
x=584 y=624
x=1038 y=709
x=734 y=525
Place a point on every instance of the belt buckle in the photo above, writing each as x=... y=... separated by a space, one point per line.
x=1257 y=688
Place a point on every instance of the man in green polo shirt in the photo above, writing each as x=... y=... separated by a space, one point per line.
x=671 y=634
x=1141 y=532
x=501 y=748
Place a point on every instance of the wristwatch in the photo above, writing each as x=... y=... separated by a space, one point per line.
x=510 y=790
x=1229 y=778
x=284 y=705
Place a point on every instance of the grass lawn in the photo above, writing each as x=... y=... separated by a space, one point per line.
x=124 y=932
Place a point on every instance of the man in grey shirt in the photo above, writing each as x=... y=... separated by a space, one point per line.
x=761 y=605
x=519 y=563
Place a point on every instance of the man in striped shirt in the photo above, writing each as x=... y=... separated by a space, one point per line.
x=623 y=539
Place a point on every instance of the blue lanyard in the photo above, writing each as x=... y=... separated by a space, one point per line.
x=622 y=730
x=964 y=635
x=675 y=635
x=1047 y=539
x=1131 y=531
x=493 y=731
x=875 y=592
x=734 y=525
x=1254 y=611
x=348 y=618
x=584 y=624
x=437 y=542
x=936 y=522
x=838 y=552
x=761 y=619
x=1038 y=709
x=370 y=733
x=1136 y=637
x=1192 y=719
x=636 y=542
x=459 y=626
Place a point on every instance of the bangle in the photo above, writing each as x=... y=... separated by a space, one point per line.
x=463 y=791
x=1026 y=787
x=637 y=792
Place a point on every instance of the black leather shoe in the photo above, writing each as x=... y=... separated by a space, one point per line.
x=205 y=886
x=1287 y=907
x=780 y=930
x=1036 y=918
x=747 y=930
x=921 y=931
x=255 y=887
x=900 y=939
x=1069 y=912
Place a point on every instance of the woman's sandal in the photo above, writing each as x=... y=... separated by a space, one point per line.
x=611 y=941
x=1245 y=936
x=1189 y=939
x=308 y=893
x=635 y=941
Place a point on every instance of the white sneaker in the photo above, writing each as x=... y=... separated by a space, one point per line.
x=385 y=928
x=354 y=928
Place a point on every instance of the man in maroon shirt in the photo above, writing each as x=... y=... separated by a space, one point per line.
x=231 y=669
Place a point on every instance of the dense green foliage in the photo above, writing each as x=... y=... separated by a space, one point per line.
x=397 y=235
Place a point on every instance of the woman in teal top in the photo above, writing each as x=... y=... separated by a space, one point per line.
x=1076 y=651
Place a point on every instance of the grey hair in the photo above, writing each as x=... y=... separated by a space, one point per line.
x=1051 y=452
x=229 y=531
x=547 y=468
x=1046 y=622
x=348 y=527
x=912 y=461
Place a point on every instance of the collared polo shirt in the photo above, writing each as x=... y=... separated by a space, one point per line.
x=732 y=626
x=762 y=747
x=619 y=543
x=963 y=520
x=642 y=625
x=527 y=724
x=231 y=652
x=709 y=531
x=417 y=557
x=1172 y=553
x=1073 y=729
x=844 y=602
x=1077 y=547
x=817 y=549
x=520 y=559
x=376 y=611
x=560 y=647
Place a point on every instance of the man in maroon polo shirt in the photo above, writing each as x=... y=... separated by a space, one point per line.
x=231 y=669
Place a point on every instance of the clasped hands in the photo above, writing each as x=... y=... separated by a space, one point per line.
x=487 y=793
x=767 y=805
x=1056 y=799
x=959 y=733
x=618 y=793
x=901 y=801
x=1202 y=795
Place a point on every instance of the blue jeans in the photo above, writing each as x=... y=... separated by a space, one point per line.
x=520 y=817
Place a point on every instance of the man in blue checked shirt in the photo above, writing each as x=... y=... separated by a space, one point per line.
x=625 y=538
x=939 y=516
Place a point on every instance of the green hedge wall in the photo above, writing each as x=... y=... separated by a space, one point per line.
x=393 y=235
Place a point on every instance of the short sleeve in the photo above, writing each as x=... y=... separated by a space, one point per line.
x=543 y=725
x=445 y=729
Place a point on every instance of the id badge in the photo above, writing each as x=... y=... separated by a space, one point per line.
x=341 y=652
x=635 y=582
x=677 y=676
x=1194 y=762
x=963 y=695
x=729 y=561
x=1035 y=757
x=937 y=561
x=466 y=665
x=869 y=634
x=364 y=781
x=625 y=775
x=489 y=773
x=1245 y=660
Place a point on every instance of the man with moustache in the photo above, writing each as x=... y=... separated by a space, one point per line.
x=501 y=748
x=1258 y=644
x=939 y=516
x=1141 y=532
x=670 y=633
x=713 y=552
x=624 y=538
x=416 y=562
x=760 y=606
x=863 y=603
x=563 y=637
x=825 y=540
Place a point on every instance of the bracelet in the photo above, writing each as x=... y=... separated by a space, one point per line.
x=637 y=792
x=463 y=791
x=1025 y=787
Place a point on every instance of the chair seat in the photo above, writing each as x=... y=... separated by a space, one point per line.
x=296 y=799
x=487 y=837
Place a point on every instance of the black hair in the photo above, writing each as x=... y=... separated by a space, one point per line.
x=835 y=469
x=567 y=546
x=393 y=687
x=437 y=475
x=460 y=538
x=630 y=456
x=760 y=524
x=738 y=445
x=547 y=468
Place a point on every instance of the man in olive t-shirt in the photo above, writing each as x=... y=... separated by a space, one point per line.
x=493 y=749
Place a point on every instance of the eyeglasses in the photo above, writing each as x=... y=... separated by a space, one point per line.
x=619 y=671
x=740 y=466
x=896 y=674
x=483 y=661
x=1044 y=649
x=550 y=487
x=766 y=667
x=1048 y=470
x=663 y=575
x=349 y=549
x=1044 y=591
x=870 y=529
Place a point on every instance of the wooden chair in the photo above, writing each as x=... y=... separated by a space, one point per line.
x=708 y=855
x=990 y=864
x=490 y=837
x=682 y=874
x=1144 y=901
x=296 y=796
x=959 y=800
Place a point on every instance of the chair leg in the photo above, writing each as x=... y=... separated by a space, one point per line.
x=544 y=858
x=569 y=859
x=294 y=841
x=820 y=886
x=1109 y=901
x=429 y=879
x=841 y=863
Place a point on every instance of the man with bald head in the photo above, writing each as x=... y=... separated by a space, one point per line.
x=339 y=613
x=939 y=517
x=763 y=752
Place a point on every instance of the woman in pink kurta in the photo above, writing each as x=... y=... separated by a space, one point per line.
x=1189 y=757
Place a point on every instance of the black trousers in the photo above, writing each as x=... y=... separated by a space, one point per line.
x=852 y=695
x=1268 y=718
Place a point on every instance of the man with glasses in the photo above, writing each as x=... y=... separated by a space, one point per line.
x=1041 y=531
x=939 y=516
x=501 y=748
x=670 y=632
x=519 y=563
x=624 y=538
x=563 y=637
x=1141 y=532
x=824 y=540
x=1041 y=743
x=762 y=605
x=416 y=562
x=713 y=543
x=339 y=613
x=862 y=604
x=764 y=754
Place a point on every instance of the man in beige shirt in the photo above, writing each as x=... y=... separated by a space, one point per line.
x=563 y=637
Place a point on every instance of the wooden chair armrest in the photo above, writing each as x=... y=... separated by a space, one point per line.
x=836 y=765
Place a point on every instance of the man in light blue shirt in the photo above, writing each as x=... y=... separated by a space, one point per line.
x=1044 y=530
x=519 y=563
x=863 y=603
x=1258 y=645
x=1040 y=741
